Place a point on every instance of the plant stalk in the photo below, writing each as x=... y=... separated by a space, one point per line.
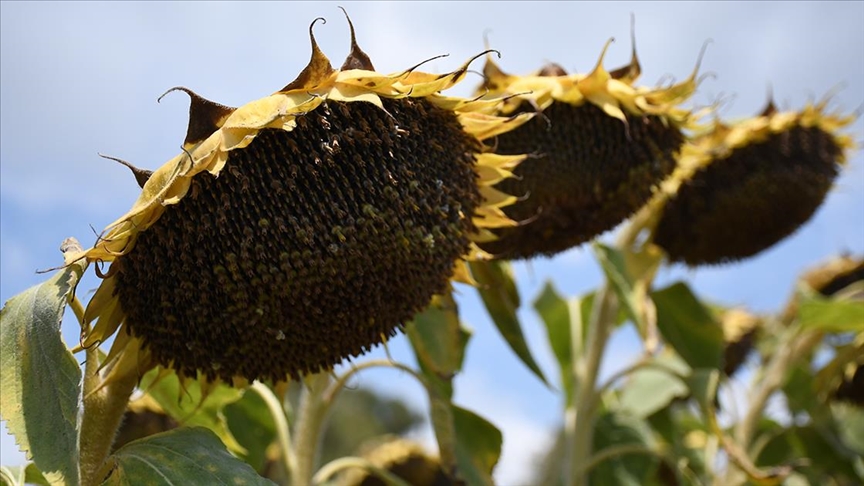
x=104 y=406
x=283 y=434
x=329 y=470
x=579 y=418
x=580 y=425
x=311 y=416
x=775 y=375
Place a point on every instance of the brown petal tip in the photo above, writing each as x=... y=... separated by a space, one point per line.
x=357 y=59
x=318 y=68
x=770 y=107
x=552 y=69
x=141 y=175
x=630 y=72
x=205 y=116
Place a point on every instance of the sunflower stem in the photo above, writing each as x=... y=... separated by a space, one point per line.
x=579 y=416
x=332 y=468
x=280 y=421
x=310 y=421
x=104 y=406
x=794 y=344
x=579 y=428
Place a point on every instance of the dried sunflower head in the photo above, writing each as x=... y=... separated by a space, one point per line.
x=740 y=331
x=403 y=458
x=842 y=379
x=596 y=151
x=827 y=279
x=851 y=388
x=741 y=188
x=302 y=228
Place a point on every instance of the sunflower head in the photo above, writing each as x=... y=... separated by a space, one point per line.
x=851 y=388
x=842 y=379
x=826 y=280
x=740 y=331
x=740 y=188
x=598 y=147
x=301 y=228
x=403 y=458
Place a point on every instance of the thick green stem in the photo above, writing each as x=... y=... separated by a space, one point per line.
x=580 y=417
x=104 y=406
x=311 y=418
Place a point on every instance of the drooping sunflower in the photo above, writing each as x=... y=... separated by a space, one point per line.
x=597 y=149
x=740 y=188
x=402 y=458
x=740 y=332
x=302 y=228
x=841 y=379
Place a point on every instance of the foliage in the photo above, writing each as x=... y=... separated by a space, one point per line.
x=659 y=421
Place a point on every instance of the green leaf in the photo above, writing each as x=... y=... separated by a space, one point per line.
x=831 y=315
x=689 y=327
x=478 y=447
x=673 y=426
x=630 y=275
x=799 y=388
x=555 y=313
x=178 y=457
x=827 y=379
x=251 y=424
x=819 y=447
x=849 y=421
x=190 y=406
x=824 y=459
x=498 y=291
x=615 y=430
x=439 y=339
x=703 y=385
x=777 y=449
x=651 y=389
x=21 y=475
x=40 y=379
x=11 y=476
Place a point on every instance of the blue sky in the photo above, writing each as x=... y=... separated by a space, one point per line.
x=82 y=78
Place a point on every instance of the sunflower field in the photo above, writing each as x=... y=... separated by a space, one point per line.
x=291 y=297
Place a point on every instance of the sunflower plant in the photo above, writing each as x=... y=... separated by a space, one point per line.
x=304 y=228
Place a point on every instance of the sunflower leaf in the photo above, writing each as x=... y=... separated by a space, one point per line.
x=630 y=275
x=191 y=405
x=649 y=390
x=439 y=340
x=555 y=313
x=181 y=456
x=41 y=380
x=615 y=430
x=831 y=314
x=251 y=423
x=21 y=475
x=688 y=326
x=478 y=446
x=499 y=294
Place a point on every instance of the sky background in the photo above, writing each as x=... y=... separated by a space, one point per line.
x=82 y=78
